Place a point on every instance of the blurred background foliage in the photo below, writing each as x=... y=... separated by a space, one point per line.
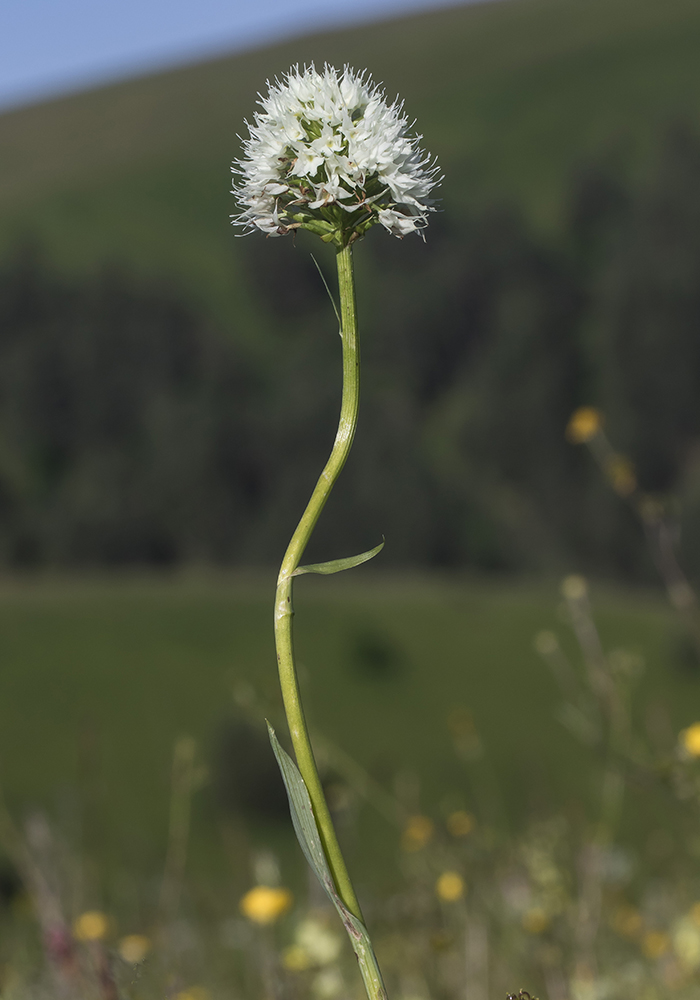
x=168 y=391
x=168 y=394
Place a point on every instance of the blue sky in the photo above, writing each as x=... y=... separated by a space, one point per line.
x=53 y=46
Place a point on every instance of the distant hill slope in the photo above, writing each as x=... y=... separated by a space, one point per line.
x=510 y=95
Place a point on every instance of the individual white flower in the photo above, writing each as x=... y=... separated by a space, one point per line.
x=329 y=154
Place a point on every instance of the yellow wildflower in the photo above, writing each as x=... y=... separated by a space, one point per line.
x=584 y=424
x=460 y=823
x=655 y=944
x=265 y=904
x=134 y=947
x=417 y=833
x=450 y=887
x=535 y=921
x=91 y=926
x=690 y=741
x=621 y=475
x=627 y=921
x=193 y=993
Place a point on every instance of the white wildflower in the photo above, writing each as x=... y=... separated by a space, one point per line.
x=327 y=153
x=322 y=946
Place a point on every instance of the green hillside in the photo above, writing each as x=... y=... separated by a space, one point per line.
x=563 y=271
x=510 y=96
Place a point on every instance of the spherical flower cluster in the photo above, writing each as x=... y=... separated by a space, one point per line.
x=328 y=154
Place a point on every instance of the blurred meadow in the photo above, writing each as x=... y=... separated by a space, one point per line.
x=511 y=760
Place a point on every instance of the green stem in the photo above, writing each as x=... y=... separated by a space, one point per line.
x=283 y=603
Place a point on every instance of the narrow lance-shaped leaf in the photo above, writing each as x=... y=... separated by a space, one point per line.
x=330 y=295
x=310 y=841
x=338 y=565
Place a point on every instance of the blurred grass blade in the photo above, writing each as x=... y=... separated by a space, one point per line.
x=338 y=565
x=310 y=842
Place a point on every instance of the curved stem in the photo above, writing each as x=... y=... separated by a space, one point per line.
x=283 y=603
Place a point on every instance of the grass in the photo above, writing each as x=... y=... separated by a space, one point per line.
x=511 y=95
x=100 y=677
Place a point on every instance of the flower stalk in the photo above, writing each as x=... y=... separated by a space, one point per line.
x=284 y=610
x=328 y=154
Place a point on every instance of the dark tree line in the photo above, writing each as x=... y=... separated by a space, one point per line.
x=124 y=427
x=133 y=431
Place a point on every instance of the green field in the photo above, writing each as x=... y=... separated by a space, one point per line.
x=510 y=95
x=100 y=677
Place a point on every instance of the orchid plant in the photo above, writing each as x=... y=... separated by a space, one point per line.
x=328 y=153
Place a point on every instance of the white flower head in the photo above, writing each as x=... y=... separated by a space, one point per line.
x=329 y=154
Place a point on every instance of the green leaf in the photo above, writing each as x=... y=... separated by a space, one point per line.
x=338 y=565
x=303 y=816
x=310 y=841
